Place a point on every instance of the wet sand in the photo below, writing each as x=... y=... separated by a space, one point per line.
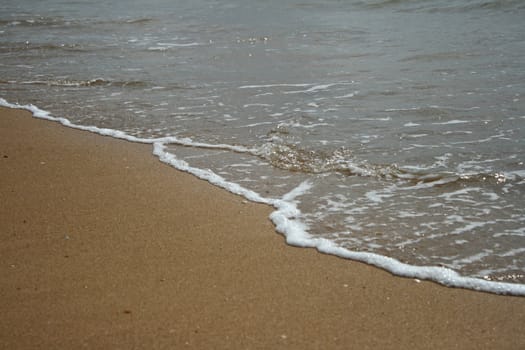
x=104 y=247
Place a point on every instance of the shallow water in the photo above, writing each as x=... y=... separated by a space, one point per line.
x=405 y=118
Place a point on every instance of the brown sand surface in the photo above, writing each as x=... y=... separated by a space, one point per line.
x=104 y=247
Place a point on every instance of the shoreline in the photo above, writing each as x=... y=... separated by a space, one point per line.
x=105 y=246
x=284 y=215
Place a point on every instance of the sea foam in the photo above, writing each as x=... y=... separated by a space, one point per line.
x=287 y=217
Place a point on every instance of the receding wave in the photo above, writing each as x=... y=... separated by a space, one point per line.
x=293 y=158
x=287 y=216
x=342 y=161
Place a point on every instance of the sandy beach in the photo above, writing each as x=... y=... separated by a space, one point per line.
x=104 y=247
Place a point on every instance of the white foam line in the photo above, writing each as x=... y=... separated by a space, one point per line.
x=286 y=217
x=440 y=275
x=256 y=105
x=273 y=85
x=255 y=124
x=452 y=122
x=179 y=44
x=352 y=94
x=167 y=46
x=513 y=252
x=316 y=88
x=39 y=113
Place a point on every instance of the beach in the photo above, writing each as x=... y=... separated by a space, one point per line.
x=104 y=247
x=390 y=133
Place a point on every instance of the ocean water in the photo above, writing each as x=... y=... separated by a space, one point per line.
x=391 y=132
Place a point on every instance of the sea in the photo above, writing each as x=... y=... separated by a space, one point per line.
x=390 y=132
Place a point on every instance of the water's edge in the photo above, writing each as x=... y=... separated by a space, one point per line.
x=285 y=216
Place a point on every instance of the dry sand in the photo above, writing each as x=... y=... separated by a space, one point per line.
x=104 y=247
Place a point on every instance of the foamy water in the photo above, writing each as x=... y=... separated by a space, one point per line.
x=385 y=132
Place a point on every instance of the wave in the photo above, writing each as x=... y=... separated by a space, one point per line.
x=43 y=21
x=34 y=21
x=139 y=21
x=286 y=214
x=443 y=6
x=441 y=56
x=72 y=83
x=83 y=83
x=28 y=46
x=342 y=161
x=172 y=46
x=387 y=3
x=492 y=5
